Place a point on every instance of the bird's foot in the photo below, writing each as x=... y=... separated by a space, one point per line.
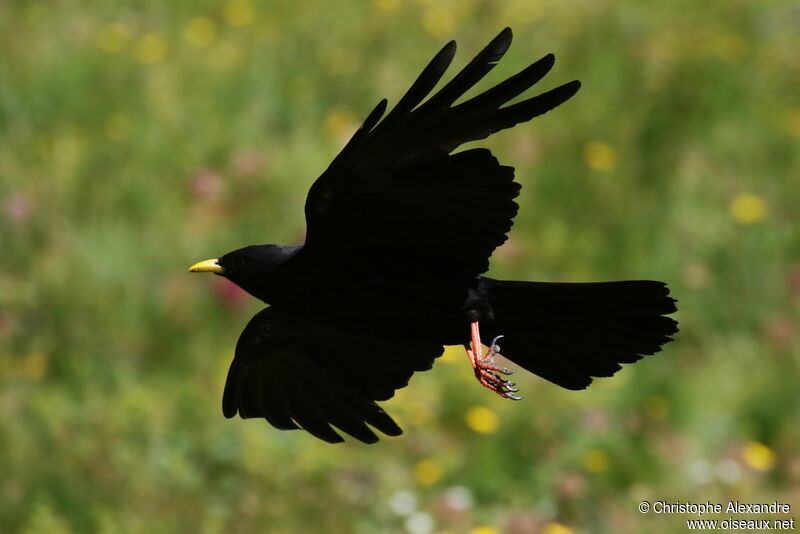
x=485 y=369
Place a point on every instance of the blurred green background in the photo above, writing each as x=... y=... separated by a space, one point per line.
x=139 y=137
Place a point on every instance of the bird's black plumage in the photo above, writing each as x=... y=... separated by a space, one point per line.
x=399 y=230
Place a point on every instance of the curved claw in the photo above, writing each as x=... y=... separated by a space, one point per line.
x=506 y=382
x=487 y=373
x=495 y=340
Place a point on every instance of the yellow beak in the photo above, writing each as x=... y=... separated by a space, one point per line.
x=208 y=266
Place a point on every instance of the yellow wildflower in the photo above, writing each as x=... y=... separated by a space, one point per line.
x=428 y=472
x=200 y=32
x=595 y=461
x=759 y=456
x=748 y=208
x=150 y=49
x=385 y=6
x=339 y=123
x=557 y=528
x=438 y=21
x=239 y=13
x=483 y=420
x=600 y=156
x=522 y=13
x=485 y=529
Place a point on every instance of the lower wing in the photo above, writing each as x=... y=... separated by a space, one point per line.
x=296 y=373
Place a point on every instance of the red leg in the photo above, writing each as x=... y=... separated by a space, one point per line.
x=484 y=367
x=475 y=330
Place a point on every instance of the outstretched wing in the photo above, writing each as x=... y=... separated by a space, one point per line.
x=298 y=374
x=397 y=202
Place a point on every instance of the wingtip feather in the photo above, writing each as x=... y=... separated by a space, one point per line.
x=446 y=54
x=573 y=86
x=501 y=42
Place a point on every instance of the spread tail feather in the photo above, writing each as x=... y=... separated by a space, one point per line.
x=571 y=332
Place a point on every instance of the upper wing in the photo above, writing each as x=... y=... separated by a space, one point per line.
x=299 y=374
x=397 y=200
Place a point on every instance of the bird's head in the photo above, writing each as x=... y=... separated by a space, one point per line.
x=246 y=267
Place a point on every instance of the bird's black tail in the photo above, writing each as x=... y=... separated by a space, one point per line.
x=569 y=333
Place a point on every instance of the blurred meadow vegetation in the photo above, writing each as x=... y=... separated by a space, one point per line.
x=139 y=137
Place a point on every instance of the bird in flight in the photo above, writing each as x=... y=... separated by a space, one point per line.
x=399 y=230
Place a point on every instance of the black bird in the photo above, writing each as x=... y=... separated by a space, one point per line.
x=399 y=229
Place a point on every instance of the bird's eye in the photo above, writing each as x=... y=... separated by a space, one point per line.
x=241 y=262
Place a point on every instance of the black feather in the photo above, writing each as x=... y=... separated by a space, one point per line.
x=569 y=333
x=480 y=65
